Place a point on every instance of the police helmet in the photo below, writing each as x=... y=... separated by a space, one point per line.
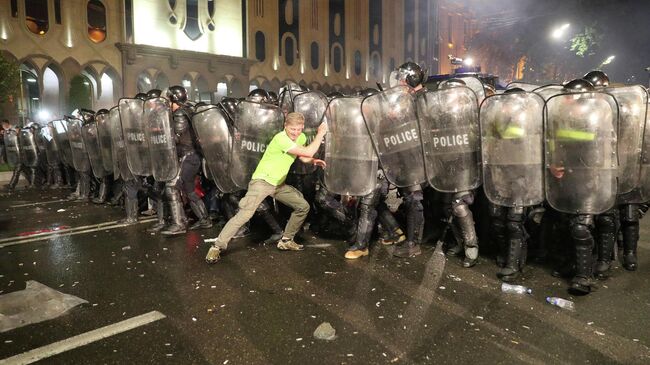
x=154 y=93
x=368 y=92
x=597 y=78
x=412 y=73
x=514 y=90
x=451 y=83
x=177 y=95
x=579 y=85
x=259 y=96
x=141 y=96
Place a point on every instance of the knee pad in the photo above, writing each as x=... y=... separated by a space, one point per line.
x=580 y=231
x=414 y=201
x=460 y=210
x=630 y=213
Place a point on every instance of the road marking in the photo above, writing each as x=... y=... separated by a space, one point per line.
x=83 y=339
x=57 y=234
x=39 y=203
x=71 y=229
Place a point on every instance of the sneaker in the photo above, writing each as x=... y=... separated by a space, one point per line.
x=287 y=244
x=395 y=239
x=355 y=254
x=214 y=254
x=407 y=249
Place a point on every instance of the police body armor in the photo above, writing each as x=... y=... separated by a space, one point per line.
x=120 y=164
x=255 y=126
x=135 y=141
x=28 y=149
x=91 y=142
x=580 y=160
x=12 y=147
x=312 y=106
x=80 y=159
x=104 y=139
x=391 y=120
x=60 y=133
x=214 y=135
x=160 y=137
x=511 y=146
x=351 y=159
x=632 y=102
x=450 y=138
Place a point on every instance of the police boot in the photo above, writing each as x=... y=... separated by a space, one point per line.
x=131 y=207
x=514 y=261
x=160 y=213
x=273 y=225
x=84 y=188
x=582 y=283
x=393 y=234
x=14 y=180
x=102 y=193
x=76 y=193
x=605 y=252
x=630 y=241
x=470 y=241
x=178 y=217
x=201 y=213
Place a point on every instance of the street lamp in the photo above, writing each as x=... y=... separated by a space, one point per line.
x=558 y=32
x=609 y=60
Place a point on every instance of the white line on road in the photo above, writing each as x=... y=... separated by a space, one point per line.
x=60 y=231
x=82 y=339
x=57 y=234
x=38 y=203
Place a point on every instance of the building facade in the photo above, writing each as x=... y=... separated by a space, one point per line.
x=90 y=53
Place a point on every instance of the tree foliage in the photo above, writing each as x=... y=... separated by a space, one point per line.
x=9 y=79
x=80 y=94
x=586 y=43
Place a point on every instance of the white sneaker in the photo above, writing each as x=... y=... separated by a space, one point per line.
x=287 y=244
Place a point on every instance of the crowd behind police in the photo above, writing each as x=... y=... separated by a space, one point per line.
x=578 y=245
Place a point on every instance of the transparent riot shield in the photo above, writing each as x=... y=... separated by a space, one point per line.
x=351 y=159
x=12 y=147
x=312 y=105
x=105 y=142
x=391 y=120
x=450 y=137
x=62 y=141
x=511 y=146
x=476 y=85
x=28 y=149
x=522 y=85
x=51 y=148
x=632 y=101
x=160 y=136
x=91 y=142
x=547 y=91
x=120 y=164
x=580 y=159
x=255 y=126
x=80 y=159
x=133 y=129
x=215 y=138
x=643 y=191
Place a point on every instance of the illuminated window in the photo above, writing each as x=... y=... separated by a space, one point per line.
x=31 y=100
x=162 y=82
x=144 y=83
x=96 y=21
x=36 y=16
x=260 y=46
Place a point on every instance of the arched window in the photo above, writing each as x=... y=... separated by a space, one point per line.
x=289 y=50
x=81 y=93
x=31 y=101
x=189 y=86
x=51 y=104
x=314 y=55
x=357 y=63
x=222 y=90
x=254 y=85
x=202 y=91
x=260 y=46
x=36 y=16
x=106 y=99
x=144 y=82
x=338 y=58
x=96 y=13
x=162 y=82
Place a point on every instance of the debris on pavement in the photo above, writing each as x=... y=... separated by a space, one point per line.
x=325 y=331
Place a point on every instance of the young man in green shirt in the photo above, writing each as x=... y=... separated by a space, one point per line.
x=268 y=180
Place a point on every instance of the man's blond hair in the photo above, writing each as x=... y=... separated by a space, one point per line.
x=294 y=118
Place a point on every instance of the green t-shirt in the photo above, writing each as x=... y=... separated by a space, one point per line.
x=276 y=162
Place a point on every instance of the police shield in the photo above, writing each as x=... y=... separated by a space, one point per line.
x=632 y=102
x=351 y=159
x=63 y=141
x=215 y=139
x=104 y=139
x=312 y=106
x=391 y=120
x=12 y=147
x=522 y=85
x=120 y=164
x=158 y=129
x=91 y=142
x=135 y=141
x=547 y=91
x=476 y=85
x=80 y=159
x=511 y=147
x=255 y=126
x=643 y=190
x=28 y=149
x=450 y=138
x=51 y=148
x=580 y=159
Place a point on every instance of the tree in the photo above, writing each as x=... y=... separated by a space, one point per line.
x=9 y=80
x=80 y=93
x=587 y=42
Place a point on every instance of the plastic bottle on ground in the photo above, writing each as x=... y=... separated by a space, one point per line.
x=562 y=303
x=515 y=289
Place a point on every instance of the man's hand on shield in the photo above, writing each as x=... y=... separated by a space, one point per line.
x=319 y=162
x=322 y=129
x=557 y=171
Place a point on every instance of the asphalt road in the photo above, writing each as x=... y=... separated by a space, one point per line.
x=261 y=306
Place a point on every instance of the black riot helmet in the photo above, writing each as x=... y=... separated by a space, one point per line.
x=579 y=85
x=597 y=78
x=273 y=97
x=451 y=83
x=154 y=93
x=86 y=115
x=335 y=94
x=368 y=92
x=229 y=105
x=412 y=73
x=141 y=96
x=102 y=111
x=259 y=96
x=514 y=90
x=177 y=95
